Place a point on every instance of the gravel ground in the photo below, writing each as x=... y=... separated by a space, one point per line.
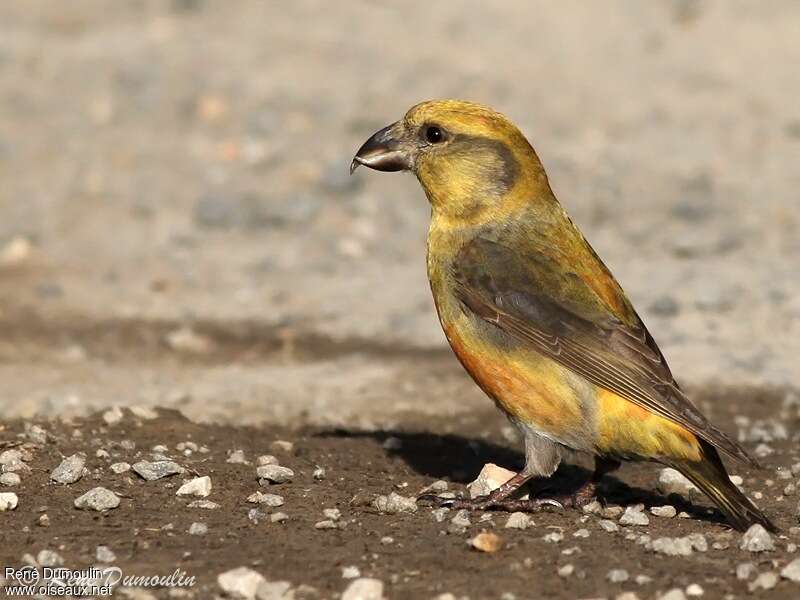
x=178 y=229
x=322 y=507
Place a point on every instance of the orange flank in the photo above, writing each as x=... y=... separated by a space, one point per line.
x=532 y=391
x=630 y=430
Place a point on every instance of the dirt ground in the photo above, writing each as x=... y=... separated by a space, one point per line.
x=178 y=229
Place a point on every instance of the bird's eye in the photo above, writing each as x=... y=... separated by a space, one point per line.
x=434 y=134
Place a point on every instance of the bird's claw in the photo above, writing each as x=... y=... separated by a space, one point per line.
x=436 y=501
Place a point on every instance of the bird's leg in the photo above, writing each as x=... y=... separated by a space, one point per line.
x=580 y=497
x=498 y=495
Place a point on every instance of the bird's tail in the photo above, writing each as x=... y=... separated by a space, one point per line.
x=711 y=477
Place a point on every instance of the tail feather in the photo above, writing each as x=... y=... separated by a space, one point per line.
x=711 y=477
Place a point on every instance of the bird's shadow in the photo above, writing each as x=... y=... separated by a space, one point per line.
x=459 y=459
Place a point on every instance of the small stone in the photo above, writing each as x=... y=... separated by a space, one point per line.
x=199 y=486
x=274 y=474
x=566 y=570
x=113 y=415
x=757 y=539
x=671 y=481
x=266 y=459
x=151 y=471
x=581 y=533
x=394 y=503
x=736 y=480
x=592 y=508
x=617 y=576
x=666 y=511
x=334 y=514
x=486 y=541
x=745 y=571
x=673 y=594
x=102 y=453
x=275 y=590
x=10 y=479
x=49 y=558
x=672 y=546
x=198 y=529
x=792 y=571
x=611 y=512
x=104 y=554
x=240 y=583
x=490 y=478
x=282 y=446
x=187 y=340
x=518 y=520
x=236 y=458
x=70 y=470
x=695 y=589
x=634 y=515
x=272 y=500
x=278 y=517
x=43 y=520
x=643 y=579
x=12 y=461
x=460 y=522
x=765 y=581
x=364 y=588
x=98 y=499
x=204 y=504
x=120 y=467
x=440 y=514
x=608 y=525
x=387 y=540
x=326 y=524
x=318 y=474
x=627 y=596
x=351 y=572
x=553 y=537
x=144 y=412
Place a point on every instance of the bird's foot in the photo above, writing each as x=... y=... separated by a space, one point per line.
x=580 y=497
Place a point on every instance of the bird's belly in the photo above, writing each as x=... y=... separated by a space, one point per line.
x=528 y=386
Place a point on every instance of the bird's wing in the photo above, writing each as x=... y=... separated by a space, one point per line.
x=559 y=312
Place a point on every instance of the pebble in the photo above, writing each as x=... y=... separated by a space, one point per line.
x=240 y=582
x=792 y=571
x=11 y=461
x=199 y=486
x=387 y=540
x=104 y=554
x=664 y=511
x=695 y=589
x=318 y=474
x=204 y=504
x=278 y=517
x=274 y=590
x=608 y=525
x=566 y=570
x=671 y=481
x=236 y=458
x=98 y=499
x=326 y=524
x=185 y=339
x=518 y=520
x=440 y=514
x=147 y=413
x=745 y=571
x=394 y=503
x=490 y=478
x=49 y=558
x=611 y=512
x=757 y=539
x=113 y=415
x=581 y=533
x=332 y=513
x=69 y=470
x=282 y=446
x=681 y=546
x=627 y=596
x=274 y=474
x=765 y=581
x=198 y=529
x=364 y=588
x=486 y=541
x=673 y=594
x=634 y=515
x=553 y=537
x=151 y=471
x=10 y=479
x=266 y=459
x=120 y=467
x=460 y=522
x=271 y=500
x=351 y=572
x=617 y=576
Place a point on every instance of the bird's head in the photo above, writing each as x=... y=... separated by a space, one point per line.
x=468 y=158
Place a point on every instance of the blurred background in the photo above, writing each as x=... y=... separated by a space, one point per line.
x=178 y=226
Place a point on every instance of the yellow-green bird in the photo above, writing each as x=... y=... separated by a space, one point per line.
x=537 y=319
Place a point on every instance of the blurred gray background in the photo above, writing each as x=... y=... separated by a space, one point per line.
x=178 y=226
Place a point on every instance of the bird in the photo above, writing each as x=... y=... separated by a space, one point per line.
x=537 y=319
